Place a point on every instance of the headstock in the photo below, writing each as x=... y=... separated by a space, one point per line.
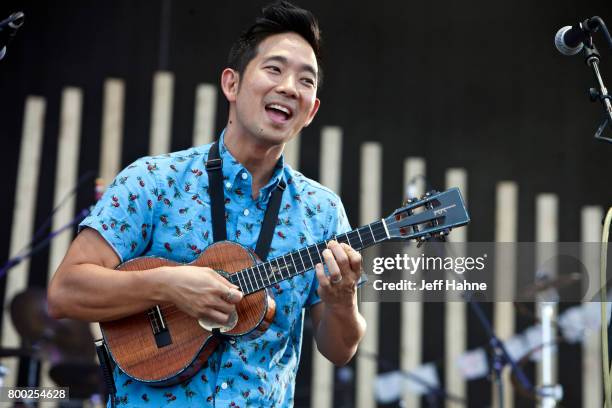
x=434 y=214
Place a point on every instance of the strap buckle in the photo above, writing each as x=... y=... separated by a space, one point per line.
x=214 y=164
x=282 y=185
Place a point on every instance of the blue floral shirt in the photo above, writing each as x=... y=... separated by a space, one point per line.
x=160 y=206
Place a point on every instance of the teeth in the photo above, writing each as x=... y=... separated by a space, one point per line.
x=280 y=108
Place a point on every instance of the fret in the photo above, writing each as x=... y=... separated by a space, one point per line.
x=287 y=266
x=242 y=287
x=293 y=261
x=385 y=225
x=348 y=239
x=319 y=250
x=360 y=240
x=250 y=281
x=279 y=268
x=267 y=277
x=372 y=232
x=260 y=277
x=303 y=264
x=311 y=261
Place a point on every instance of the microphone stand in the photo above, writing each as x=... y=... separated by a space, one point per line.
x=434 y=393
x=592 y=59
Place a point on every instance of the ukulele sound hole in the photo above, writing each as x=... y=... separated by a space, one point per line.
x=210 y=326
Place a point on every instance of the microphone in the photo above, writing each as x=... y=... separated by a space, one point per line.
x=569 y=40
x=8 y=29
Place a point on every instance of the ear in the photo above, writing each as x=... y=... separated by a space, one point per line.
x=229 y=84
x=313 y=112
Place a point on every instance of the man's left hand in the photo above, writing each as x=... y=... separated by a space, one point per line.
x=344 y=266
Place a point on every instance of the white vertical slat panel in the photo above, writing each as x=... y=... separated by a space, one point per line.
x=292 y=152
x=111 y=141
x=66 y=172
x=161 y=113
x=205 y=114
x=370 y=197
x=506 y=230
x=23 y=219
x=592 y=389
x=547 y=209
x=329 y=175
x=330 y=169
x=455 y=318
x=411 y=329
x=112 y=129
x=66 y=177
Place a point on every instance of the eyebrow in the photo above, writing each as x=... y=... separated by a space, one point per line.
x=284 y=60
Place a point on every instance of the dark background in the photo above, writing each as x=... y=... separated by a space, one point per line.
x=476 y=85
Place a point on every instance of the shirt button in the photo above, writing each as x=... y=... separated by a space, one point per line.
x=245 y=176
x=228 y=185
x=224 y=385
x=246 y=211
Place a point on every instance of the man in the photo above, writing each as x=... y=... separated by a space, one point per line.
x=161 y=206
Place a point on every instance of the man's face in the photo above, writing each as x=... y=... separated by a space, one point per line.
x=276 y=96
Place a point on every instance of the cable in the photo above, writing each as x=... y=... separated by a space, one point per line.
x=604 y=314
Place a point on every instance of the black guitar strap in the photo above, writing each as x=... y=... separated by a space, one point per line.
x=214 y=167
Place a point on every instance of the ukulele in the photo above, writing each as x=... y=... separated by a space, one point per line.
x=164 y=346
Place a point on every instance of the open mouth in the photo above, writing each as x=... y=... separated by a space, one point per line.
x=278 y=113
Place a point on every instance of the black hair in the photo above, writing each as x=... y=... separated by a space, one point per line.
x=276 y=18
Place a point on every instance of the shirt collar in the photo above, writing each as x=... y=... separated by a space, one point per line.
x=232 y=169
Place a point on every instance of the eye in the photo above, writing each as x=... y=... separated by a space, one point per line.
x=308 y=81
x=273 y=68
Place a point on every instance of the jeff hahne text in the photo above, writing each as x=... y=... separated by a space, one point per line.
x=412 y=264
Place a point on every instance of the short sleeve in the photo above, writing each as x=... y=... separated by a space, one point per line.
x=338 y=224
x=124 y=214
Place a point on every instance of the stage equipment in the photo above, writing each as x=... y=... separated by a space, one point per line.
x=8 y=29
x=570 y=41
x=172 y=346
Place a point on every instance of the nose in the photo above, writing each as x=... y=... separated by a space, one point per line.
x=287 y=86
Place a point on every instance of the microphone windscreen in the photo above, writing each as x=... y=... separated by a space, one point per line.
x=562 y=46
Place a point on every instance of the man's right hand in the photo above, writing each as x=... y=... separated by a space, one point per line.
x=86 y=286
x=202 y=293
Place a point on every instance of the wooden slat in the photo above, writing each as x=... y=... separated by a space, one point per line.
x=205 y=114
x=370 y=197
x=23 y=219
x=455 y=318
x=411 y=329
x=66 y=176
x=292 y=152
x=112 y=129
x=161 y=113
x=506 y=230
x=592 y=389
x=322 y=395
x=66 y=173
x=547 y=231
x=111 y=142
x=330 y=169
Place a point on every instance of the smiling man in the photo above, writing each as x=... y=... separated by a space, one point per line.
x=164 y=206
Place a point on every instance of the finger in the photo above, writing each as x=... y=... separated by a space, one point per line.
x=334 y=271
x=340 y=256
x=223 y=306
x=216 y=316
x=320 y=272
x=218 y=278
x=354 y=258
x=232 y=296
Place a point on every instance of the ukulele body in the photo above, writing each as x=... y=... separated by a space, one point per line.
x=184 y=346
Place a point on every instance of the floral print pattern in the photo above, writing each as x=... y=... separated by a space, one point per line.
x=160 y=206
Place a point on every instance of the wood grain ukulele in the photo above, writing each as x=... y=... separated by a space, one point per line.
x=164 y=346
